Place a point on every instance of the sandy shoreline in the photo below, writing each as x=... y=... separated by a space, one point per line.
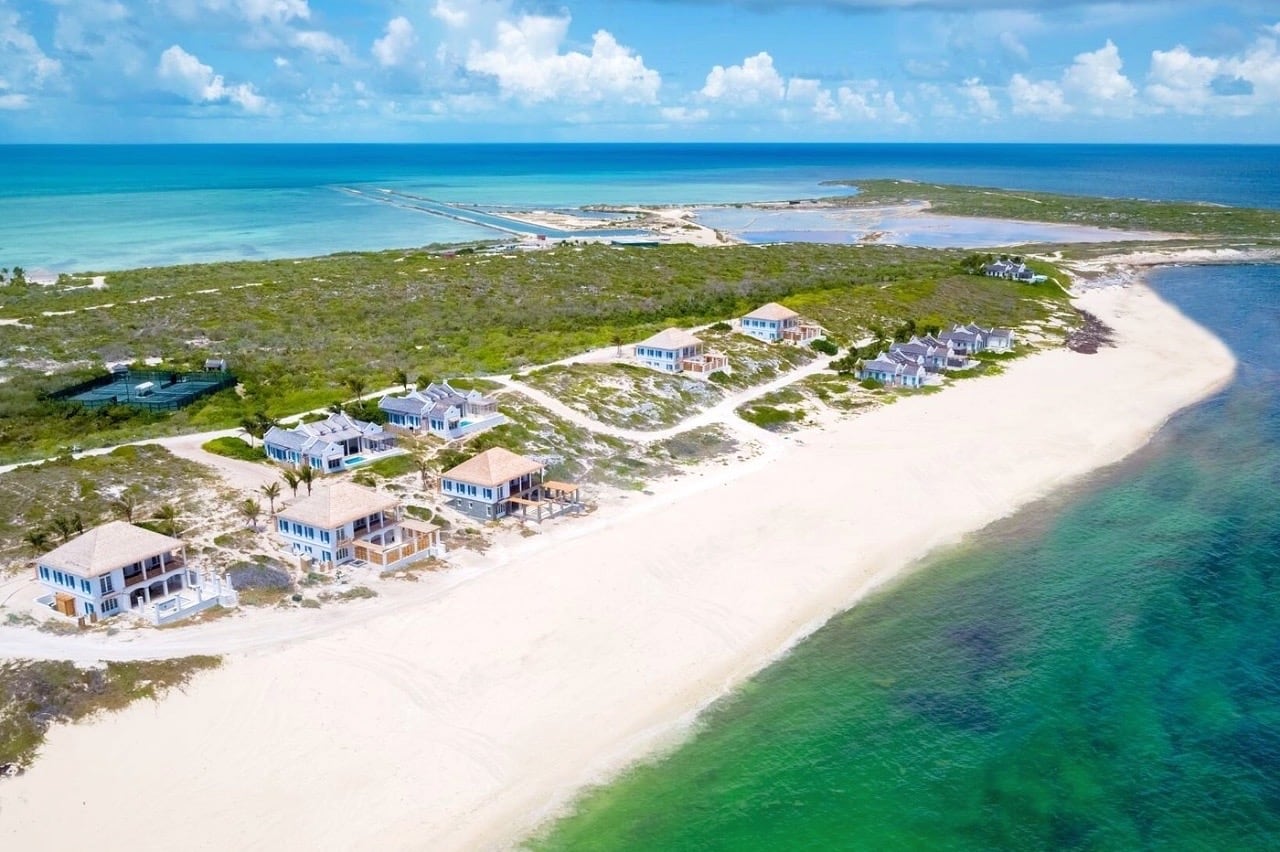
x=462 y=723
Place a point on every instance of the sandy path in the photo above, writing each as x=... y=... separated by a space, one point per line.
x=459 y=723
x=720 y=413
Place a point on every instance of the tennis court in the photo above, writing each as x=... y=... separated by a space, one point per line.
x=150 y=389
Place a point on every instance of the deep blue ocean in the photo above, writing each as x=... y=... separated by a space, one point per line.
x=80 y=208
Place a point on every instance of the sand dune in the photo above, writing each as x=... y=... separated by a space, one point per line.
x=461 y=723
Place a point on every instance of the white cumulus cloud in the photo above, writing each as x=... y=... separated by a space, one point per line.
x=526 y=61
x=1096 y=81
x=1043 y=99
x=396 y=47
x=184 y=74
x=980 y=97
x=753 y=81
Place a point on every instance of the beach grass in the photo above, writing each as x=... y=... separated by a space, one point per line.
x=37 y=694
x=234 y=448
x=91 y=490
x=295 y=332
x=1169 y=217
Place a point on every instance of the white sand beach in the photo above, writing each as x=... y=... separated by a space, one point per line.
x=462 y=723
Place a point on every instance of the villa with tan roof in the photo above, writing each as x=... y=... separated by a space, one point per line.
x=675 y=350
x=497 y=483
x=344 y=522
x=774 y=322
x=111 y=569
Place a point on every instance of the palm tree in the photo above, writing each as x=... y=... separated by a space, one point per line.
x=401 y=378
x=272 y=492
x=167 y=515
x=38 y=539
x=64 y=526
x=616 y=340
x=125 y=505
x=355 y=384
x=424 y=380
x=307 y=474
x=425 y=465
x=252 y=510
x=292 y=479
x=250 y=427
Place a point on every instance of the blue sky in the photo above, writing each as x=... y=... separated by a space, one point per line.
x=638 y=70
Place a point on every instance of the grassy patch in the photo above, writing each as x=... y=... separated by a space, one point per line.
x=34 y=498
x=234 y=448
x=391 y=467
x=453 y=316
x=35 y=695
x=1172 y=217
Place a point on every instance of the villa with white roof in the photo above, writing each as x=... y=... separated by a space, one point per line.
x=498 y=482
x=344 y=522
x=441 y=410
x=893 y=372
x=113 y=568
x=774 y=322
x=675 y=350
x=328 y=445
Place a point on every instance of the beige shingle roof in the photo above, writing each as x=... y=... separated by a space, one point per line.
x=493 y=467
x=671 y=338
x=110 y=546
x=333 y=505
x=772 y=311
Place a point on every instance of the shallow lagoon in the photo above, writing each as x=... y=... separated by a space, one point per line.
x=898 y=225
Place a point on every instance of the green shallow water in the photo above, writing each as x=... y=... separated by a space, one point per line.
x=1101 y=671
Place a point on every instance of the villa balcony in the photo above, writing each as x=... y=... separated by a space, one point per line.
x=154 y=572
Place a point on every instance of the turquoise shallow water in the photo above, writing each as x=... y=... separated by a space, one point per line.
x=102 y=207
x=1101 y=671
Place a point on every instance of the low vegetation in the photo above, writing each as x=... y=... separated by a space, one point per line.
x=626 y=395
x=1171 y=217
x=438 y=317
x=235 y=448
x=43 y=505
x=35 y=695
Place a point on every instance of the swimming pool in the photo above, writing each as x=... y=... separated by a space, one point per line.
x=352 y=461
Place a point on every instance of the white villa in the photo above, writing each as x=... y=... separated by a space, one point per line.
x=328 y=445
x=930 y=353
x=675 y=350
x=899 y=372
x=441 y=410
x=498 y=482
x=113 y=568
x=774 y=322
x=343 y=522
x=972 y=338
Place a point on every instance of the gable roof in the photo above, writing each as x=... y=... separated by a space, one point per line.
x=333 y=505
x=110 y=546
x=493 y=467
x=772 y=311
x=671 y=338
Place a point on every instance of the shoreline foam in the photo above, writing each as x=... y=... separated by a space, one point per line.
x=466 y=721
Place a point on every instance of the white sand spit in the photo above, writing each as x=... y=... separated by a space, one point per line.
x=463 y=722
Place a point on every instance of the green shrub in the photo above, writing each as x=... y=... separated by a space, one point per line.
x=871 y=384
x=720 y=377
x=826 y=347
x=234 y=448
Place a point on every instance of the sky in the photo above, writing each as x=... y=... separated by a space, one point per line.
x=639 y=70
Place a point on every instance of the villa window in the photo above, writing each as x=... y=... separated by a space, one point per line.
x=44 y=573
x=324 y=536
x=488 y=493
x=106 y=585
x=85 y=587
x=111 y=605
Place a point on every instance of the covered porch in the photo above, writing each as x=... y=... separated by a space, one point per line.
x=394 y=546
x=803 y=332
x=705 y=363
x=551 y=498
